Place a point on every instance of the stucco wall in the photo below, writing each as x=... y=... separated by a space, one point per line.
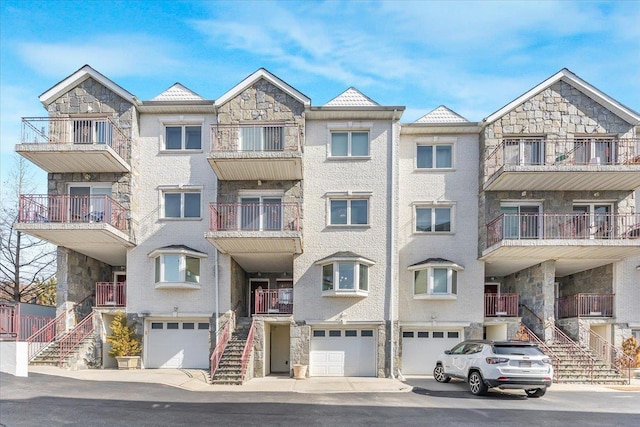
x=457 y=187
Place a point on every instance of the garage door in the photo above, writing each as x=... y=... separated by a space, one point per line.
x=343 y=352
x=182 y=344
x=421 y=348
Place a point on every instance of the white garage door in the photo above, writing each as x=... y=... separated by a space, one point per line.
x=421 y=348
x=343 y=352
x=183 y=344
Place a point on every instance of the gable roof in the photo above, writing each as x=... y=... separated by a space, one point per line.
x=442 y=114
x=271 y=78
x=78 y=77
x=178 y=92
x=352 y=97
x=573 y=80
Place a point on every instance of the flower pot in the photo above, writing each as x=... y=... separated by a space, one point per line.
x=299 y=371
x=128 y=362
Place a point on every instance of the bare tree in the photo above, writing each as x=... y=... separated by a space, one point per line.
x=26 y=263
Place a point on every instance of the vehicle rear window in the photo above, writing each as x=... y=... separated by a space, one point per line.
x=517 y=350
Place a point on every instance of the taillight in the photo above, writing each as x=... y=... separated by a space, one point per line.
x=496 y=360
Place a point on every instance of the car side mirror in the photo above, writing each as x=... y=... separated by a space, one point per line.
x=447 y=352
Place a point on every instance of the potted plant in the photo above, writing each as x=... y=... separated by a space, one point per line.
x=631 y=349
x=125 y=344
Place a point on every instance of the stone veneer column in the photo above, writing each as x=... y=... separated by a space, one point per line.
x=300 y=344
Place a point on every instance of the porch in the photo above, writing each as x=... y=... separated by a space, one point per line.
x=585 y=305
x=111 y=294
x=500 y=305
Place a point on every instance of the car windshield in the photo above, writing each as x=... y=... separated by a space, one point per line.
x=517 y=350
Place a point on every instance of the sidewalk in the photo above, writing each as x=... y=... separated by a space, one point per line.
x=195 y=380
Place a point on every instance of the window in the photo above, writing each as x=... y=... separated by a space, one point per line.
x=92 y=131
x=335 y=333
x=188 y=325
x=349 y=276
x=156 y=325
x=524 y=151
x=203 y=326
x=592 y=221
x=435 y=279
x=318 y=333
x=433 y=219
x=366 y=333
x=350 y=144
x=438 y=156
x=350 y=333
x=183 y=137
x=179 y=204
x=349 y=212
x=261 y=213
x=177 y=267
x=262 y=138
x=521 y=221
x=595 y=151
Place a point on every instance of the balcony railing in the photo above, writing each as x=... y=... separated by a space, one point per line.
x=111 y=294
x=591 y=151
x=585 y=305
x=274 y=301
x=563 y=226
x=497 y=305
x=75 y=131
x=267 y=217
x=44 y=208
x=255 y=137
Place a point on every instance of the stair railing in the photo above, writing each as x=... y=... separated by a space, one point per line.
x=74 y=338
x=248 y=349
x=575 y=350
x=615 y=358
x=39 y=340
x=527 y=334
x=223 y=339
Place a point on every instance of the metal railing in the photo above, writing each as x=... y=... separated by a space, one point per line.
x=248 y=349
x=563 y=226
x=526 y=334
x=592 y=151
x=274 y=301
x=75 y=131
x=264 y=216
x=46 y=208
x=111 y=294
x=256 y=137
x=30 y=324
x=39 y=340
x=500 y=305
x=615 y=358
x=9 y=321
x=585 y=305
x=223 y=339
x=575 y=351
x=74 y=338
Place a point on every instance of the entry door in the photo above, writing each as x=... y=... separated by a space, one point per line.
x=593 y=221
x=261 y=213
x=521 y=222
x=279 y=342
x=79 y=206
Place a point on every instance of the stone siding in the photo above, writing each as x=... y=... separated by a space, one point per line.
x=238 y=285
x=597 y=281
x=300 y=343
x=77 y=275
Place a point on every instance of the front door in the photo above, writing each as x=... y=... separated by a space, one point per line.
x=279 y=339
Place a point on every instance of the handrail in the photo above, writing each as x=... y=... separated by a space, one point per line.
x=248 y=348
x=532 y=312
x=72 y=340
x=575 y=350
x=223 y=339
x=42 y=337
x=10 y=320
x=260 y=217
x=259 y=137
x=615 y=358
x=526 y=334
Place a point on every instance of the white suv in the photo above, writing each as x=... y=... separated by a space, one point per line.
x=487 y=364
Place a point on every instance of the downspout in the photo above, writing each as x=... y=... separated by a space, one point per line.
x=392 y=268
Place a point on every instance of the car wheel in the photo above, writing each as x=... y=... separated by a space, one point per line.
x=536 y=392
x=476 y=384
x=439 y=375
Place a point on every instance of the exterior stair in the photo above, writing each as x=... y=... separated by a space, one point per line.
x=576 y=368
x=229 y=370
x=50 y=355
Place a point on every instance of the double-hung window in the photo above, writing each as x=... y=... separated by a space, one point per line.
x=177 y=267
x=434 y=156
x=433 y=219
x=349 y=144
x=345 y=275
x=435 y=279
x=183 y=137
x=348 y=211
x=181 y=204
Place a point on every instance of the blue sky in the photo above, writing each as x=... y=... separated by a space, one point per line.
x=473 y=56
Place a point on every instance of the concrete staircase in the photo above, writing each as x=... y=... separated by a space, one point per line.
x=575 y=368
x=50 y=355
x=229 y=370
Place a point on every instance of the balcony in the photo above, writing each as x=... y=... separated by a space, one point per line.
x=274 y=301
x=95 y=226
x=252 y=152
x=257 y=234
x=111 y=294
x=500 y=305
x=61 y=145
x=585 y=305
x=580 y=164
x=576 y=241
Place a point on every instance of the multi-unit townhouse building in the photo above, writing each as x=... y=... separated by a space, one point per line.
x=356 y=244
